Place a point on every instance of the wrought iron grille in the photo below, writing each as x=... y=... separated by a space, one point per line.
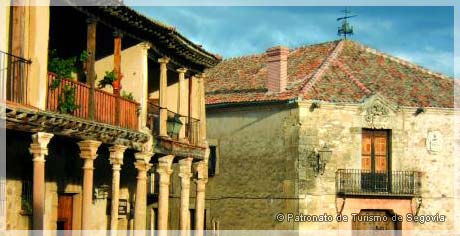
x=192 y=125
x=13 y=78
x=363 y=182
x=26 y=197
x=153 y=118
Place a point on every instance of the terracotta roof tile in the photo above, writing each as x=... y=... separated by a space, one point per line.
x=350 y=72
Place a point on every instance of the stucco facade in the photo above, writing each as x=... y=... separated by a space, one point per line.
x=257 y=155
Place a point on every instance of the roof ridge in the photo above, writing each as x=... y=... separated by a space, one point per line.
x=356 y=81
x=312 y=45
x=260 y=54
x=243 y=57
x=320 y=70
x=399 y=60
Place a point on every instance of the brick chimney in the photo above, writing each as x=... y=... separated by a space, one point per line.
x=277 y=68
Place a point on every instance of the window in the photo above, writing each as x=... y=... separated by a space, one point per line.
x=375 y=158
x=212 y=162
x=375 y=151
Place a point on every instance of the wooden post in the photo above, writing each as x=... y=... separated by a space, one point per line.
x=117 y=69
x=91 y=73
x=15 y=91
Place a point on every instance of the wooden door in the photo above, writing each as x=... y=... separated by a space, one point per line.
x=375 y=160
x=65 y=212
x=383 y=224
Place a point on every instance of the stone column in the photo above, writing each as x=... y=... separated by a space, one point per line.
x=164 y=170
x=116 y=159
x=142 y=165
x=39 y=149
x=144 y=91
x=201 y=180
x=202 y=109
x=182 y=102
x=88 y=152
x=163 y=95
x=185 y=172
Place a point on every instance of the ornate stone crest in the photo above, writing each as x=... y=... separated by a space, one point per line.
x=433 y=141
x=377 y=116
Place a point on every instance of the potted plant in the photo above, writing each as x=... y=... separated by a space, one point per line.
x=108 y=79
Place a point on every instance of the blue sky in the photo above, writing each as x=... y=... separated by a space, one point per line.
x=424 y=35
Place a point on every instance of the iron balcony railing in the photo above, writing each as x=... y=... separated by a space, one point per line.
x=363 y=182
x=14 y=72
x=191 y=125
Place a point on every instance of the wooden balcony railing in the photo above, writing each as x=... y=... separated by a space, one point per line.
x=104 y=103
x=363 y=182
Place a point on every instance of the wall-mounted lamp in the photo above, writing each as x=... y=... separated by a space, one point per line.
x=314 y=105
x=320 y=158
x=174 y=124
x=102 y=192
x=420 y=110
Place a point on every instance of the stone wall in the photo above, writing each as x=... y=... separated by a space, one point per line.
x=257 y=148
x=340 y=126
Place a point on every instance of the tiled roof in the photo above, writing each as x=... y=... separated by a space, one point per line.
x=338 y=71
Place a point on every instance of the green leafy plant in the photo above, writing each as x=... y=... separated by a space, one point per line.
x=66 y=100
x=108 y=79
x=63 y=68
x=84 y=56
x=127 y=95
x=26 y=207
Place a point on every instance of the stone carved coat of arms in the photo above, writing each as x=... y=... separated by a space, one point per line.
x=377 y=116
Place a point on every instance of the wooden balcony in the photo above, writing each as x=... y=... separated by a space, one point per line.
x=366 y=183
x=104 y=102
x=192 y=125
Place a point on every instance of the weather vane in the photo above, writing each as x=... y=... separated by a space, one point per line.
x=346 y=28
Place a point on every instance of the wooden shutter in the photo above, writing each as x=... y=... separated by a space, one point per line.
x=374 y=152
x=366 y=151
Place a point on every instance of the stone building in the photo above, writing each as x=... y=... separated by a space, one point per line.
x=81 y=156
x=330 y=129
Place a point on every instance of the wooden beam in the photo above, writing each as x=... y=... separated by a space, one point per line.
x=117 y=69
x=91 y=73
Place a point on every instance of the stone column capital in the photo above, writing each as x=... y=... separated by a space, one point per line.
x=88 y=149
x=143 y=157
x=201 y=184
x=142 y=163
x=163 y=60
x=39 y=146
x=181 y=70
x=164 y=168
x=201 y=168
x=116 y=155
x=185 y=167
